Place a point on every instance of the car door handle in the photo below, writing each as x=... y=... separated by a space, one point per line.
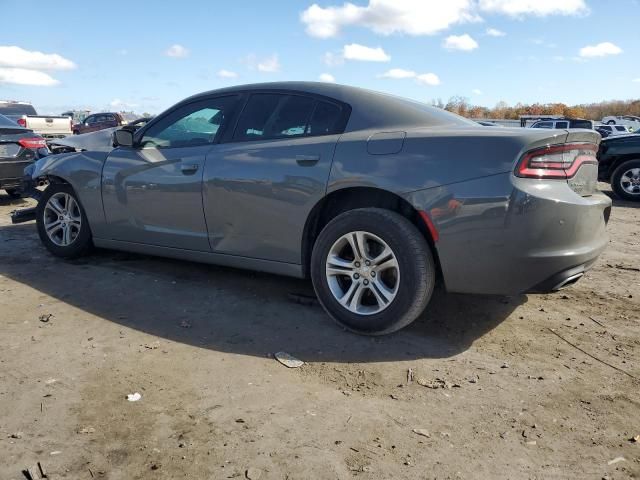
x=189 y=168
x=307 y=160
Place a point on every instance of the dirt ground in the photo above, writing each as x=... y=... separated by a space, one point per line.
x=495 y=394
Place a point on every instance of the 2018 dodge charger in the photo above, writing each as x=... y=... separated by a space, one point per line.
x=373 y=197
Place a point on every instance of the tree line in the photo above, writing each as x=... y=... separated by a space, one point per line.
x=591 y=111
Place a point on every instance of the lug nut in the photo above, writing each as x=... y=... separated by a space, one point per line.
x=357 y=264
x=367 y=263
x=373 y=274
x=356 y=276
x=366 y=282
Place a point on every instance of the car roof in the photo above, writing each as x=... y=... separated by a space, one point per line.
x=370 y=109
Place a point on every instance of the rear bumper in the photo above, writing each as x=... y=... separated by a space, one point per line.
x=12 y=172
x=528 y=236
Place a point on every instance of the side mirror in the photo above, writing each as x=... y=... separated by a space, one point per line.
x=123 y=138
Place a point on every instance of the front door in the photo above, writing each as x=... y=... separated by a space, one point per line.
x=152 y=192
x=260 y=187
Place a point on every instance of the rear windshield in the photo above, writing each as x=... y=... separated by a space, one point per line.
x=17 y=109
x=5 y=122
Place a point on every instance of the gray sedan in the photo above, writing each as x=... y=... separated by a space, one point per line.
x=373 y=197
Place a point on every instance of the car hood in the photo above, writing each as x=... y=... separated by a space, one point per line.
x=100 y=141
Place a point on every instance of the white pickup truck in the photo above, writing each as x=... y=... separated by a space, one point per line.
x=47 y=126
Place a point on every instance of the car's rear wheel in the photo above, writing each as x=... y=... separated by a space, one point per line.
x=13 y=193
x=62 y=222
x=372 y=270
x=625 y=180
x=611 y=122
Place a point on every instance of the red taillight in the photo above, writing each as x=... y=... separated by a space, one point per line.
x=556 y=161
x=22 y=122
x=33 y=143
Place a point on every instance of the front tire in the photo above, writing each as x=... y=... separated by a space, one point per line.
x=62 y=223
x=611 y=122
x=625 y=180
x=372 y=270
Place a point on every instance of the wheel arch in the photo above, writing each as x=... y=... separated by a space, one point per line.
x=350 y=198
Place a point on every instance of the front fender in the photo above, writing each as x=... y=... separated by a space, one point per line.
x=83 y=171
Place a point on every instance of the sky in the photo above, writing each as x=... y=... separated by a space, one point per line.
x=147 y=55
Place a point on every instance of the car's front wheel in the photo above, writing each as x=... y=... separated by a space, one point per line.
x=372 y=270
x=62 y=222
x=625 y=180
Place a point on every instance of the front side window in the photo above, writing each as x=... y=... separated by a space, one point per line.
x=562 y=124
x=543 y=125
x=195 y=124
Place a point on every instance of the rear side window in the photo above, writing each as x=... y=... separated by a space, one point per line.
x=562 y=124
x=271 y=116
x=325 y=119
x=581 y=124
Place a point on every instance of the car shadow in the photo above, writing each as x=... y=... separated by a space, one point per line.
x=617 y=201
x=235 y=311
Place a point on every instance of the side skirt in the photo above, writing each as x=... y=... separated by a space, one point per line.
x=268 y=266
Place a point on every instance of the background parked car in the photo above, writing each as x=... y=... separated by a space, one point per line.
x=100 y=121
x=612 y=130
x=47 y=126
x=77 y=116
x=564 y=123
x=619 y=164
x=630 y=121
x=19 y=147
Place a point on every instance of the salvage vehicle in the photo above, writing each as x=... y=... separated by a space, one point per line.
x=100 y=121
x=19 y=148
x=630 y=121
x=563 y=123
x=373 y=197
x=619 y=164
x=47 y=126
x=612 y=130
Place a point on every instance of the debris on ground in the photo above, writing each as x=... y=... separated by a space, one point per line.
x=35 y=473
x=134 y=397
x=410 y=374
x=635 y=439
x=302 y=299
x=87 y=430
x=437 y=383
x=253 y=473
x=44 y=318
x=422 y=432
x=288 y=360
x=16 y=435
x=616 y=460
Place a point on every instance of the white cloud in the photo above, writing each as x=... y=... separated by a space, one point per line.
x=269 y=65
x=355 y=51
x=430 y=79
x=327 y=77
x=540 y=8
x=177 y=51
x=23 y=76
x=121 y=104
x=600 y=50
x=476 y=91
x=494 y=32
x=332 y=59
x=386 y=17
x=460 y=42
x=12 y=56
x=398 y=73
x=637 y=80
x=226 y=74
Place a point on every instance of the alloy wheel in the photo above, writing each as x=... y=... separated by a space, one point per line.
x=362 y=272
x=630 y=181
x=62 y=219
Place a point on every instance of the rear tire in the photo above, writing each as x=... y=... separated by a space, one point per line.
x=14 y=193
x=62 y=223
x=372 y=270
x=625 y=180
x=611 y=122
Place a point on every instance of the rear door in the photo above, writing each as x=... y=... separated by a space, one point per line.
x=260 y=187
x=152 y=192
